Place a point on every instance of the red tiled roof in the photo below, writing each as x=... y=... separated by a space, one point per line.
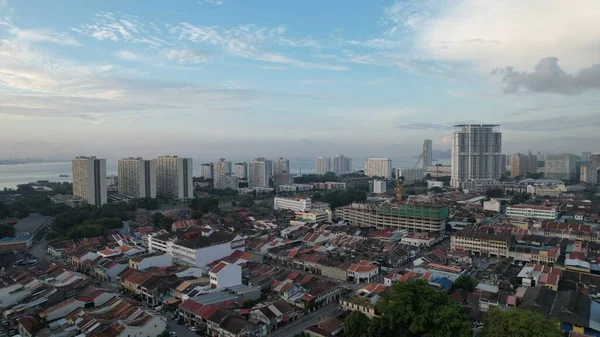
x=191 y=306
x=219 y=267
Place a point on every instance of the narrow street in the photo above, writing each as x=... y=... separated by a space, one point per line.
x=305 y=321
x=180 y=330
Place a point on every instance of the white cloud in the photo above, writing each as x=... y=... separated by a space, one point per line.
x=128 y=55
x=210 y=2
x=250 y=41
x=121 y=27
x=185 y=56
x=39 y=35
x=498 y=33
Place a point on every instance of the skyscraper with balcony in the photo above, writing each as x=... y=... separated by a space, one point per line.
x=89 y=180
x=260 y=172
x=137 y=177
x=221 y=169
x=520 y=164
x=476 y=154
x=341 y=164
x=174 y=177
x=427 y=153
x=240 y=170
x=322 y=165
x=378 y=167
x=281 y=166
x=206 y=171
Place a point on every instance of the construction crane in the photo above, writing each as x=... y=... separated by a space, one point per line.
x=399 y=187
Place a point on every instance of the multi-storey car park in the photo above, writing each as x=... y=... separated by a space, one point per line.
x=418 y=217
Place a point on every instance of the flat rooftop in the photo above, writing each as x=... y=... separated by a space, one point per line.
x=31 y=223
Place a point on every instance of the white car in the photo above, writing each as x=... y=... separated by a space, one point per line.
x=173 y=334
x=193 y=328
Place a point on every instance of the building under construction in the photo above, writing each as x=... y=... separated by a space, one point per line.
x=413 y=216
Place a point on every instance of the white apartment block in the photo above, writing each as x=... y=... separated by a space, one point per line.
x=221 y=169
x=378 y=167
x=546 y=190
x=230 y=181
x=174 y=177
x=411 y=174
x=341 y=164
x=299 y=204
x=225 y=274
x=589 y=174
x=330 y=185
x=532 y=212
x=137 y=177
x=281 y=166
x=260 y=172
x=434 y=183
x=295 y=187
x=206 y=171
x=492 y=205
x=476 y=154
x=377 y=186
x=322 y=165
x=240 y=170
x=89 y=180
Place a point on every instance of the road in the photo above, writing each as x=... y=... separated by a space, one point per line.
x=39 y=249
x=181 y=330
x=304 y=322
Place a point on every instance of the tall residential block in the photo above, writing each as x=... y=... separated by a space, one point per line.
x=221 y=169
x=378 y=167
x=137 y=177
x=240 y=170
x=427 y=153
x=589 y=174
x=411 y=174
x=560 y=167
x=281 y=166
x=585 y=157
x=260 y=172
x=174 y=177
x=322 y=165
x=476 y=154
x=341 y=164
x=89 y=180
x=377 y=186
x=520 y=164
x=206 y=171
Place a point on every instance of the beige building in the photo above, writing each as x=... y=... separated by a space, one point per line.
x=137 y=177
x=481 y=240
x=174 y=177
x=322 y=165
x=89 y=180
x=589 y=174
x=520 y=164
x=560 y=167
x=221 y=169
x=260 y=172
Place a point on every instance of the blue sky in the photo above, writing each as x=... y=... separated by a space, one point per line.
x=209 y=78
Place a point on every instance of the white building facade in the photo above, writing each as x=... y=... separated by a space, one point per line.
x=137 y=177
x=411 y=174
x=377 y=186
x=260 y=172
x=589 y=174
x=341 y=164
x=292 y=204
x=378 y=167
x=281 y=166
x=206 y=171
x=240 y=170
x=174 y=177
x=322 y=165
x=427 y=153
x=532 y=212
x=89 y=180
x=476 y=154
x=221 y=169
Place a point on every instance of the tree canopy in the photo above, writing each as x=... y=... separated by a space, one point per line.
x=416 y=309
x=7 y=230
x=522 y=323
x=356 y=324
x=494 y=193
x=341 y=198
x=315 y=178
x=465 y=282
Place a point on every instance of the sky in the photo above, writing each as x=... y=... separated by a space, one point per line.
x=239 y=78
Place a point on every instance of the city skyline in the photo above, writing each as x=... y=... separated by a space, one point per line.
x=107 y=77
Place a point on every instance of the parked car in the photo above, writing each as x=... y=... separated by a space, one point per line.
x=173 y=334
x=193 y=328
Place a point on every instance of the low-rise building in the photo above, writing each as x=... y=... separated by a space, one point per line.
x=225 y=274
x=492 y=205
x=142 y=262
x=532 y=212
x=298 y=204
x=362 y=272
x=330 y=185
x=377 y=186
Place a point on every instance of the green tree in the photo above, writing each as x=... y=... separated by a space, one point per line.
x=156 y=218
x=380 y=327
x=495 y=193
x=246 y=201
x=7 y=230
x=302 y=334
x=248 y=304
x=416 y=309
x=205 y=205
x=522 y=323
x=165 y=333
x=465 y=282
x=166 y=222
x=356 y=324
x=436 y=189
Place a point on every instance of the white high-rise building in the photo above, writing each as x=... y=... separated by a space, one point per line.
x=585 y=156
x=589 y=174
x=427 y=153
x=281 y=166
x=476 y=154
x=411 y=174
x=260 y=172
x=240 y=170
x=322 y=165
x=206 y=171
x=378 y=167
x=341 y=164
x=377 y=186
x=560 y=167
x=221 y=169
x=137 y=177
x=89 y=180
x=174 y=177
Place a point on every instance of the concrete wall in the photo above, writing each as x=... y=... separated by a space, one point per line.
x=333 y=272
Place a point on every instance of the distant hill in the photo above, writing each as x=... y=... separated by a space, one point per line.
x=437 y=154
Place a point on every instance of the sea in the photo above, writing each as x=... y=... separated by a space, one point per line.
x=13 y=175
